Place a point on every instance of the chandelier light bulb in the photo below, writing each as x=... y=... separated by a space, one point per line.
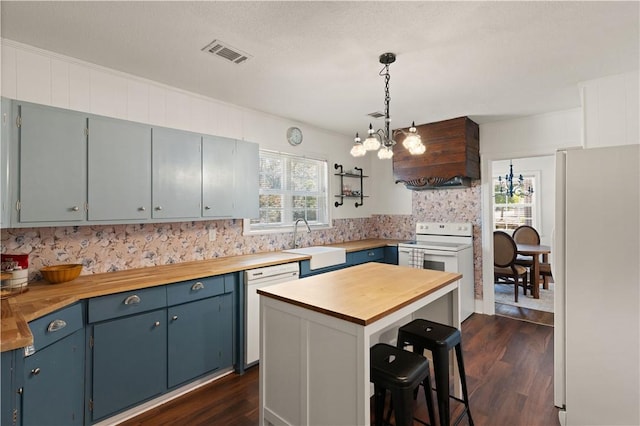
x=358 y=150
x=418 y=149
x=385 y=153
x=371 y=143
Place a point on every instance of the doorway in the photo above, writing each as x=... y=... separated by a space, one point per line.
x=536 y=210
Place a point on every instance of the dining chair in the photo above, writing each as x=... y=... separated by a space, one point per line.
x=526 y=234
x=504 y=262
x=545 y=274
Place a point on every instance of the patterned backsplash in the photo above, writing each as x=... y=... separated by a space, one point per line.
x=105 y=248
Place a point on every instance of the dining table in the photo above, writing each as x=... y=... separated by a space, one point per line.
x=535 y=251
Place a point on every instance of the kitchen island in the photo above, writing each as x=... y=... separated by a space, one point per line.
x=316 y=333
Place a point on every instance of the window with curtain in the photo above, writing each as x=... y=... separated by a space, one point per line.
x=511 y=212
x=291 y=187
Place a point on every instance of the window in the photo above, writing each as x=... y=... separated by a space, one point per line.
x=511 y=212
x=291 y=187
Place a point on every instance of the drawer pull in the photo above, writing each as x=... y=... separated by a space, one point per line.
x=371 y=253
x=56 y=325
x=134 y=299
x=197 y=286
x=35 y=371
x=174 y=318
x=157 y=323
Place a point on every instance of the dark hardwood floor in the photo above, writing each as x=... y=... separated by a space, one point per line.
x=509 y=365
x=524 y=314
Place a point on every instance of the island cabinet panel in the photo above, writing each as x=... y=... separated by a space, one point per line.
x=176 y=174
x=217 y=176
x=53 y=166
x=129 y=361
x=119 y=157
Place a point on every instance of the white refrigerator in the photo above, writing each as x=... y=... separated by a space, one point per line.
x=595 y=258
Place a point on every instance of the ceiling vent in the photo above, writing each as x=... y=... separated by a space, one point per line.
x=223 y=50
x=376 y=114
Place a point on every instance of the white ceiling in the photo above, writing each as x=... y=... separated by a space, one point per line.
x=317 y=62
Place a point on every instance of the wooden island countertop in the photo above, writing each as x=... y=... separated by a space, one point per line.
x=361 y=294
x=43 y=298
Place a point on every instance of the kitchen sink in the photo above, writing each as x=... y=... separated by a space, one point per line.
x=322 y=257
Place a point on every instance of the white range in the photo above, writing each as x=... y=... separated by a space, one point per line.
x=444 y=247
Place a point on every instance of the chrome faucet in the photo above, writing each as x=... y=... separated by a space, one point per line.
x=295 y=231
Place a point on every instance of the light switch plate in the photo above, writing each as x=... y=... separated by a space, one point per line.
x=212 y=234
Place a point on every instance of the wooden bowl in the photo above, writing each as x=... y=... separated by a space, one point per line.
x=61 y=273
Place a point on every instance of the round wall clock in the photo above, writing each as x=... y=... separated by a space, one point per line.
x=294 y=136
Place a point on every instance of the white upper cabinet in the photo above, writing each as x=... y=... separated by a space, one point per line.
x=119 y=154
x=53 y=164
x=217 y=176
x=176 y=174
x=62 y=167
x=5 y=135
x=246 y=185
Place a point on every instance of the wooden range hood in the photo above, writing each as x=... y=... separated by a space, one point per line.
x=452 y=158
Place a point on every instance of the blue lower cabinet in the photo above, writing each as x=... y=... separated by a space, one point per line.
x=8 y=389
x=53 y=383
x=391 y=255
x=129 y=361
x=197 y=338
x=364 y=256
x=226 y=331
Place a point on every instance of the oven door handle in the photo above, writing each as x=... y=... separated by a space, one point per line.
x=441 y=253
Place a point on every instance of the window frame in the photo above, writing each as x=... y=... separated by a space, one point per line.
x=534 y=177
x=287 y=224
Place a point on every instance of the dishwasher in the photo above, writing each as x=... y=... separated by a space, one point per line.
x=255 y=279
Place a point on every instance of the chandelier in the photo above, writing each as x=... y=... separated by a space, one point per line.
x=381 y=140
x=511 y=188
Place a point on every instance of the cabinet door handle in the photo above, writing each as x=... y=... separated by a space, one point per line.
x=207 y=207
x=157 y=323
x=141 y=209
x=159 y=208
x=174 y=318
x=75 y=208
x=35 y=371
x=56 y=325
x=197 y=286
x=134 y=299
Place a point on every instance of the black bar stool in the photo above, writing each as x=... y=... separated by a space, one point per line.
x=439 y=339
x=400 y=372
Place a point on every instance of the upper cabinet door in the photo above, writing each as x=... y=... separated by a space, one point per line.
x=53 y=158
x=5 y=189
x=176 y=174
x=119 y=170
x=246 y=180
x=217 y=177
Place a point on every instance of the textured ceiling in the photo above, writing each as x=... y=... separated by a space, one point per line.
x=317 y=62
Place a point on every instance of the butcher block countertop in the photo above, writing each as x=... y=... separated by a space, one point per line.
x=43 y=298
x=361 y=294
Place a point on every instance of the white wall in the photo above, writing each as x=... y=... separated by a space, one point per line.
x=528 y=137
x=44 y=77
x=611 y=110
